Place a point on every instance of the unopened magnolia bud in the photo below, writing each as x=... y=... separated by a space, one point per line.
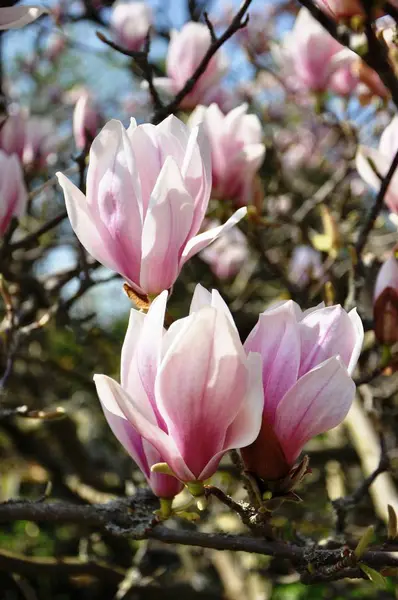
x=86 y=119
x=385 y=307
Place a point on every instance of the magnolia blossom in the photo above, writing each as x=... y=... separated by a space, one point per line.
x=345 y=9
x=185 y=53
x=385 y=302
x=190 y=392
x=32 y=139
x=308 y=358
x=228 y=254
x=14 y=17
x=142 y=452
x=373 y=165
x=13 y=193
x=130 y=22
x=305 y=265
x=147 y=194
x=307 y=58
x=86 y=120
x=237 y=150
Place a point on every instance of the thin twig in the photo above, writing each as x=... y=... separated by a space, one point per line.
x=376 y=208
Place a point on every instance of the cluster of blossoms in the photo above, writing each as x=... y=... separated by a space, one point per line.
x=192 y=392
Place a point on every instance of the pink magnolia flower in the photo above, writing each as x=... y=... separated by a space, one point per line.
x=192 y=393
x=306 y=58
x=142 y=452
x=227 y=255
x=147 y=194
x=237 y=150
x=13 y=193
x=308 y=358
x=305 y=265
x=372 y=165
x=385 y=302
x=32 y=139
x=130 y=22
x=14 y=17
x=345 y=9
x=185 y=53
x=86 y=119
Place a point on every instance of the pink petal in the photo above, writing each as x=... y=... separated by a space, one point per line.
x=365 y=169
x=149 y=350
x=329 y=332
x=202 y=368
x=14 y=17
x=247 y=423
x=319 y=401
x=87 y=228
x=148 y=158
x=202 y=240
x=167 y=223
x=114 y=195
x=146 y=426
x=277 y=338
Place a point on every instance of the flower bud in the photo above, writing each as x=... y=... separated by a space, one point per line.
x=85 y=121
x=130 y=22
x=385 y=305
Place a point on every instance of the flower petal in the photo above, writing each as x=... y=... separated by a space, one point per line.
x=202 y=240
x=277 y=338
x=167 y=224
x=146 y=427
x=202 y=368
x=319 y=401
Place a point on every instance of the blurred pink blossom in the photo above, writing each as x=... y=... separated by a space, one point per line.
x=308 y=358
x=31 y=138
x=227 y=255
x=130 y=22
x=86 y=120
x=147 y=194
x=306 y=58
x=305 y=265
x=186 y=50
x=190 y=391
x=237 y=151
x=13 y=193
x=372 y=165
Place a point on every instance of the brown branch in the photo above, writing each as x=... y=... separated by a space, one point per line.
x=377 y=55
x=343 y=505
x=32 y=239
x=141 y=58
x=58 y=567
x=133 y=518
x=376 y=208
x=238 y=22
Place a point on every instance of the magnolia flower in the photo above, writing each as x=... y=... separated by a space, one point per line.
x=227 y=255
x=305 y=265
x=306 y=58
x=345 y=9
x=130 y=22
x=15 y=17
x=372 y=165
x=86 y=120
x=308 y=358
x=32 y=139
x=13 y=193
x=185 y=53
x=190 y=392
x=385 y=303
x=147 y=194
x=142 y=452
x=237 y=151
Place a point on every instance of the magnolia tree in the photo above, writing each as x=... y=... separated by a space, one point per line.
x=198 y=219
